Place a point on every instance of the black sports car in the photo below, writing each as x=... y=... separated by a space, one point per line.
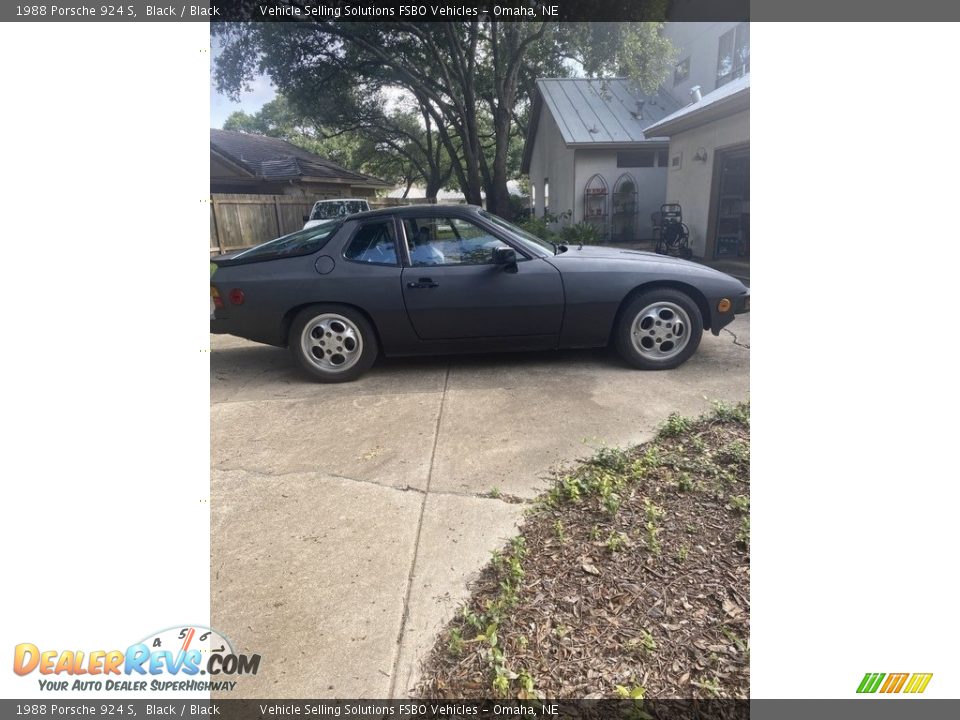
x=441 y=279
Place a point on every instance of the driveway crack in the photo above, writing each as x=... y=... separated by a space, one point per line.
x=416 y=542
x=735 y=341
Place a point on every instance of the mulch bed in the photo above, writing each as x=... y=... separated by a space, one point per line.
x=635 y=580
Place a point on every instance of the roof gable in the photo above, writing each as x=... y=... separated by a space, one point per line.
x=597 y=110
x=725 y=100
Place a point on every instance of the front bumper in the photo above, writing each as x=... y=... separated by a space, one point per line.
x=739 y=305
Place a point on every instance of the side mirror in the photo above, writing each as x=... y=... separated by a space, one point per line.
x=306 y=218
x=506 y=257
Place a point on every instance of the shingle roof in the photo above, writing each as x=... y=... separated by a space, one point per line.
x=275 y=159
x=732 y=96
x=589 y=110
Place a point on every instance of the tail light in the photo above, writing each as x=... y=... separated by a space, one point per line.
x=217 y=300
x=236 y=296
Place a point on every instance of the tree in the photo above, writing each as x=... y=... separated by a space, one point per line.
x=470 y=82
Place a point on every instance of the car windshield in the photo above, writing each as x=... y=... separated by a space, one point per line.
x=538 y=245
x=338 y=208
x=302 y=242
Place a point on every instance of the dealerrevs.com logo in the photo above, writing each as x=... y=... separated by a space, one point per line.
x=183 y=659
x=909 y=683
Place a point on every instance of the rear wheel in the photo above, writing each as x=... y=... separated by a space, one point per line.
x=332 y=343
x=659 y=329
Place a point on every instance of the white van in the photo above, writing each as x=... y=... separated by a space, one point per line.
x=330 y=209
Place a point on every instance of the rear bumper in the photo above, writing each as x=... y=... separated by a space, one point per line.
x=220 y=326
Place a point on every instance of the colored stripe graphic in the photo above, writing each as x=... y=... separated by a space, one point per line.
x=870 y=682
x=895 y=682
x=918 y=682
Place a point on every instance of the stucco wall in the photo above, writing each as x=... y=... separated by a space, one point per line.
x=651 y=185
x=551 y=159
x=691 y=185
x=700 y=41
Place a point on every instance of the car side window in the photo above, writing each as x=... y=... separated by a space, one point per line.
x=449 y=241
x=373 y=243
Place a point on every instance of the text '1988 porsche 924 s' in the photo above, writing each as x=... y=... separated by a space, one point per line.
x=440 y=279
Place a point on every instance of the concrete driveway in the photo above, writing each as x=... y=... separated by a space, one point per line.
x=347 y=520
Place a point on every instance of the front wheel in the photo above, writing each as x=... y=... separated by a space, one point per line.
x=659 y=329
x=332 y=343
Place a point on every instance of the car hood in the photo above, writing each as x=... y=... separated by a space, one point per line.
x=612 y=253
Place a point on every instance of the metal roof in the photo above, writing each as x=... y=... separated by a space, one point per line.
x=602 y=110
x=730 y=96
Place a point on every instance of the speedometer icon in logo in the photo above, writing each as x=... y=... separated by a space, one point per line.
x=181 y=639
x=192 y=650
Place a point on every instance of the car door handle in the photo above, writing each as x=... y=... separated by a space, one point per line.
x=422 y=283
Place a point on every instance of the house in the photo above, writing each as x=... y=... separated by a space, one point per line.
x=586 y=153
x=418 y=194
x=260 y=165
x=592 y=145
x=710 y=169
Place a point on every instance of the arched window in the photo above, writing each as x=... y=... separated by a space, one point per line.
x=624 y=223
x=595 y=209
x=546 y=197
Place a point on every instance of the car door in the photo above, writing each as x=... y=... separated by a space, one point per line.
x=452 y=290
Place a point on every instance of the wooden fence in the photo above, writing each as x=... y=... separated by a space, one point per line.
x=242 y=221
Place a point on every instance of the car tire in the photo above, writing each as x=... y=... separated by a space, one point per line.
x=332 y=343
x=649 y=322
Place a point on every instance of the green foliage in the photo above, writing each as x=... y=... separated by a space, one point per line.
x=634 y=692
x=741 y=503
x=735 y=453
x=559 y=531
x=739 y=412
x=743 y=536
x=617 y=541
x=643 y=642
x=675 y=425
x=455 y=644
x=582 y=233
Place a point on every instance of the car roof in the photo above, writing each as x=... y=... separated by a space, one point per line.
x=460 y=210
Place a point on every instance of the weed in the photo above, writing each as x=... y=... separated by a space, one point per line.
x=684 y=482
x=617 y=541
x=740 y=502
x=654 y=512
x=610 y=458
x=494 y=492
x=644 y=642
x=725 y=412
x=595 y=533
x=743 y=535
x=456 y=643
x=682 y=553
x=735 y=452
x=634 y=692
x=712 y=686
x=559 y=531
x=675 y=425
x=525 y=680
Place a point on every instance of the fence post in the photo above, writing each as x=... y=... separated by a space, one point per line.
x=276 y=212
x=216 y=225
